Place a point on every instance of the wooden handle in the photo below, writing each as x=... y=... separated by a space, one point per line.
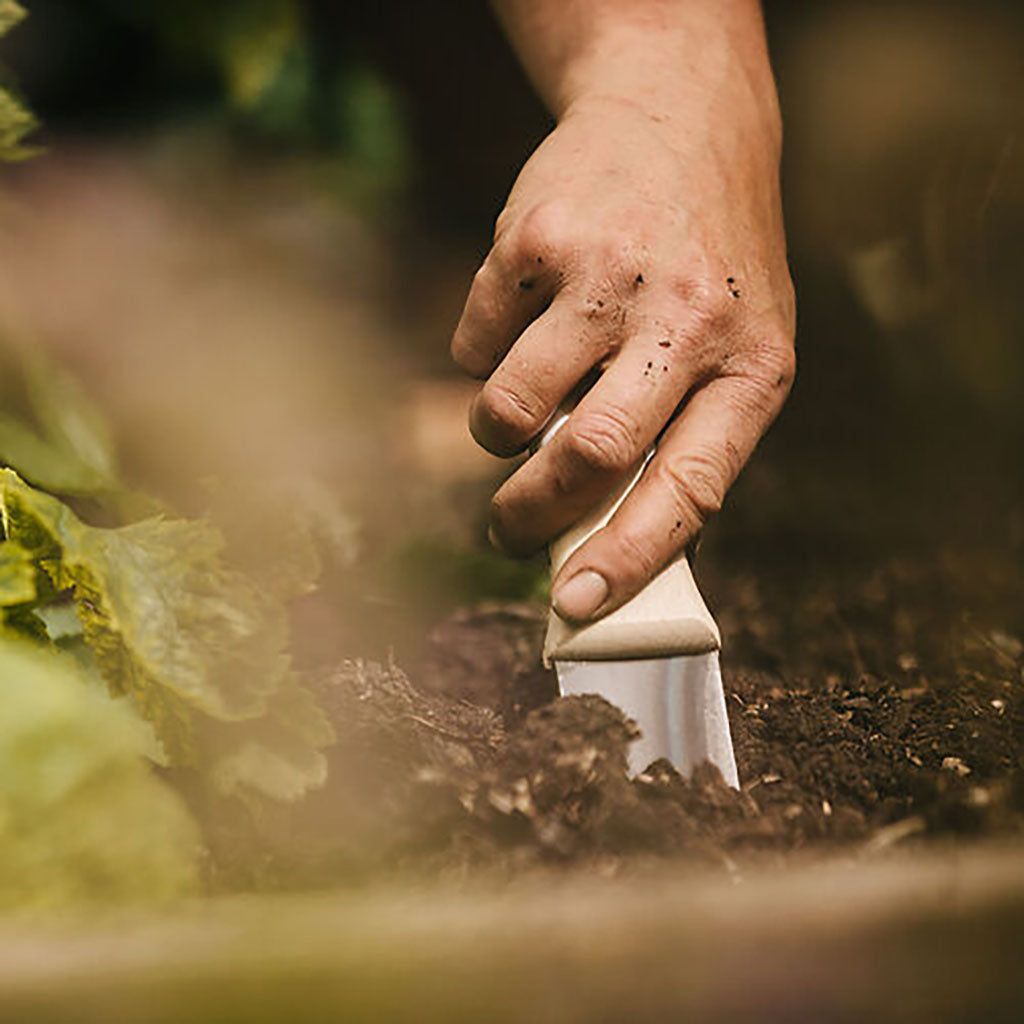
x=667 y=618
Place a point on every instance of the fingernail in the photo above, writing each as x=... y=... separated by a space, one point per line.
x=579 y=597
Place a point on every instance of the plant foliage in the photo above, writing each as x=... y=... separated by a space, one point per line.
x=82 y=816
x=196 y=645
x=16 y=120
x=123 y=646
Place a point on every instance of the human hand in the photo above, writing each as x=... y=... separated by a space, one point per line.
x=650 y=249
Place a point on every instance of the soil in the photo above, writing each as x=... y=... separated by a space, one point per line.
x=472 y=763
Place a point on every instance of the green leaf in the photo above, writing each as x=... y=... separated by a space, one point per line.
x=20 y=585
x=69 y=419
x=61 y=442
x=16 y=121
x=82 y=816
x=17 y=575
x=10 y=14
x=196 y=645
x=279 y=530
x=277 y=755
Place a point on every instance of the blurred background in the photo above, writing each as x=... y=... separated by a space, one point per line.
x=255 y=222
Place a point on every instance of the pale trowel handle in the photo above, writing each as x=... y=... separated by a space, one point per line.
x=667 y=618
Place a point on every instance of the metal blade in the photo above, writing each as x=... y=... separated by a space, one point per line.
x=678 y=703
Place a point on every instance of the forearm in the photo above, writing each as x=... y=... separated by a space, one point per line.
x=670 y=57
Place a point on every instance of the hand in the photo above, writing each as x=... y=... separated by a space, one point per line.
x=648 y=249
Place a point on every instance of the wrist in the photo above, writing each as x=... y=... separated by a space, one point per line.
x=697 y=73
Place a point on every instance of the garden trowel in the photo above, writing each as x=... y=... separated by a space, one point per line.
x=655 y=658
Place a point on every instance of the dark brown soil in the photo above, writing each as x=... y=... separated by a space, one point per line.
x=907 y=733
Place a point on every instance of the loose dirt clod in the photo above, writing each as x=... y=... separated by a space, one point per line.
x=473 y=761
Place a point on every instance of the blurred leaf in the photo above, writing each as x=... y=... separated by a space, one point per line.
x=17 y=575
x=10 y=14
x=189 y=639
x=279 y=530
x=82 y=817
x=61 y=441
x=277 y=754
x=45 y=463
x=68 y=417
x=258 y=40
x=16 y=120
x=375 y=133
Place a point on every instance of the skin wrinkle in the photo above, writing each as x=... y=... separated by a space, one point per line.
x=521 y=374
x=697 y=480
x=606 y=439
x=501 y=411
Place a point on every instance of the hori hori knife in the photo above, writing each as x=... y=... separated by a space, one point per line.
x=655 y=657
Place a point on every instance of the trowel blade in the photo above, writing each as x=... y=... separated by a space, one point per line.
x=678 y=703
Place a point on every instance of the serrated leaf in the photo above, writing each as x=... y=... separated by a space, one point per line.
x=195 y=644
x=16 y=121
x=82 y=817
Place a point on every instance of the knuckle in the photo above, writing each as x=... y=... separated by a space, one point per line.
x=785 y=295
x=705 y=303
x=505 y=523
x=613 y=251
x=637 y=555
x=499 y=515
x=775 y=362
x=543 y=231
x=501 y=223
x=697 y=482
x=508 y=409
x=604 y=440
